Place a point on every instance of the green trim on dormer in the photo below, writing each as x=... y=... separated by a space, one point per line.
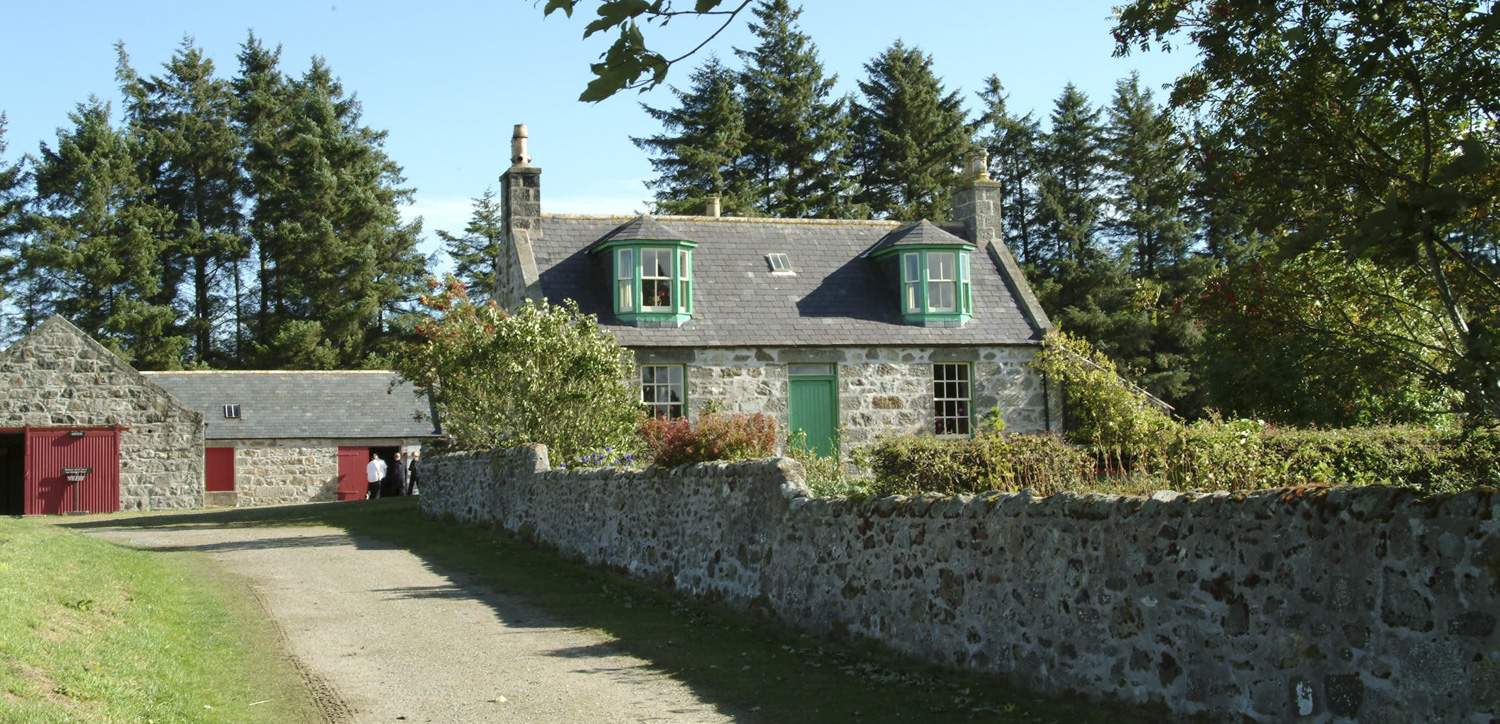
x=935 y=282
x=650 y=280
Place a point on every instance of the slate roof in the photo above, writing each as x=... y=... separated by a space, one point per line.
x=918 y=233
x=836 y=297
x=294 y=404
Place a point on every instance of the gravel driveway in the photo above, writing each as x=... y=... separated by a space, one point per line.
x=382 y=637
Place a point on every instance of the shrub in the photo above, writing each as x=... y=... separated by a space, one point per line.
x=911 y=464
x=1103 y=410
x=540 y=374
x=673 y=442
x=826 y=475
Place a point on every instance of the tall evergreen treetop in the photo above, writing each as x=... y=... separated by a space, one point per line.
x=1149 y=182
x=911 y=136
x=702 y=151
x=1070 y=189
x=1012 y=142
x=798 y=134
x=475 y=252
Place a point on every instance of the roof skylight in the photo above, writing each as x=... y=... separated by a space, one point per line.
x=780 y=264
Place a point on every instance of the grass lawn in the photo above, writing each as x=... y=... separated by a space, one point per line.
x=91 y=632
x=759 y=672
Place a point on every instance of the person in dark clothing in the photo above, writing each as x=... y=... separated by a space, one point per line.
x=395 y=480
x=411 y=474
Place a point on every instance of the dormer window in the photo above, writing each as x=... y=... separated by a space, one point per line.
x=651 y=272
x=932 y=267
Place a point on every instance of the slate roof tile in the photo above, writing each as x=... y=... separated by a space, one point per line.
x=296 y=404
x=835 y=297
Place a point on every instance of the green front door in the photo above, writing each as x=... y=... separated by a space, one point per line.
x=814 y=408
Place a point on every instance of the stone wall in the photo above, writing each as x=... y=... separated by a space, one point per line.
x=279 y=472
x=57 y=377
x=1324 y=605
x=881 y=389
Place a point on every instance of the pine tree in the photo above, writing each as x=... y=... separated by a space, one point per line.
x=911 y=136
x=798 y=137
x=97 y=241
x=702 y=151
x=475 y=252
x=1012 y=143
x=340 y=261
x=1151 y=228
x=13 y=199
x=264 y=94
x=1069 y=189
x=185 y=121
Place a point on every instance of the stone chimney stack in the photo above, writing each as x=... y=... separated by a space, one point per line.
x=521 y=201
x=713 y=207
x=977 y=202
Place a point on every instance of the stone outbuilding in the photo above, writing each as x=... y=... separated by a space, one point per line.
x=841 y=330
x=294 y=436
x=83 y=431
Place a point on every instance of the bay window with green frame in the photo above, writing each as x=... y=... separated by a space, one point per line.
x=935 y=284
x=652 y=280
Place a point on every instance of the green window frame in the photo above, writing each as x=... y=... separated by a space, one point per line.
x=952 y=399
x=663 y=390
x=936 y=284
x=651 y=280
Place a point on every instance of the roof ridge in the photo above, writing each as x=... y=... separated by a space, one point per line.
x=885 y=223
x=270 y=372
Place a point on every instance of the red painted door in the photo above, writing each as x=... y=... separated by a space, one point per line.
x=53 y=455
x=218 y=469
x=352 y=483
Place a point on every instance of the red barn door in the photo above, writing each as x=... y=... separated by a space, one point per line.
x=352 y=483
x=218 y=469
x=53 y=456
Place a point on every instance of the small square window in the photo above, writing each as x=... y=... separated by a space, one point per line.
x=231 y=412
x=780 y=263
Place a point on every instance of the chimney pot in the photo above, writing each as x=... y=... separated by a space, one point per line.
x=518 y=155
x=713 y=207
x=978 y=165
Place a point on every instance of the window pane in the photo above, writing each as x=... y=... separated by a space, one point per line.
x=627 y=298
x=661 y=390
x=674 y=374
x=950 y=393
x=796 y=370
x=912 y=267
x=942 y=296
x=624 y=264
x=940 y=266
x=912 y=303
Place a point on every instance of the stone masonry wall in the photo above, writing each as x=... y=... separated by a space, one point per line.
x=1323 y=605
x=278 y=472
x=881 y=389
x=58 y=377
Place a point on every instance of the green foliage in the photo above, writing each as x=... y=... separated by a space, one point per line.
x=1013 y=144
x=678 y=441
x=628 y=63
x=1367 y=127
x=912 y=464
x=541 y=374
x=1103 y=410
x=798 y=134
x=911 y=135
x=475 y=252
x=702 y=151
x=826 y=474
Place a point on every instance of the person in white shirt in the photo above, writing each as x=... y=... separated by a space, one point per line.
x=374 y=475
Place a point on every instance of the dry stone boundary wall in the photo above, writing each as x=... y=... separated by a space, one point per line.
x=1323 y=605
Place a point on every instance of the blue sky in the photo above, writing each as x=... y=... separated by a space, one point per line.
x=448 y=80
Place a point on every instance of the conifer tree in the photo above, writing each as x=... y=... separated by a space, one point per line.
x=1012 y=142
x=184 y=120
x=97 y=239
x=340 y=259
x=799 y=135
x=911 y=135
x=701 y=152
x=263 y=93
x=475 y=252
x=13 y=199
x=1070 y=191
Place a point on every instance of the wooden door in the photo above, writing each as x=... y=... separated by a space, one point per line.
x=53 y=455
x=814 y=411
x=352 y=483
x=218 y=469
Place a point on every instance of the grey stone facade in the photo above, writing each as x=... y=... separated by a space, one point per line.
x=882 y=390
x=1329 y=605
x=57 y=376
x=279 y=472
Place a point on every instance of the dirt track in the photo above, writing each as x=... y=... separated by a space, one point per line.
x=381 y=637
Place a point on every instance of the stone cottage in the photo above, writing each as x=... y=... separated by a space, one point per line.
x=83 y=431
x=285 y=436
x=842 y=330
